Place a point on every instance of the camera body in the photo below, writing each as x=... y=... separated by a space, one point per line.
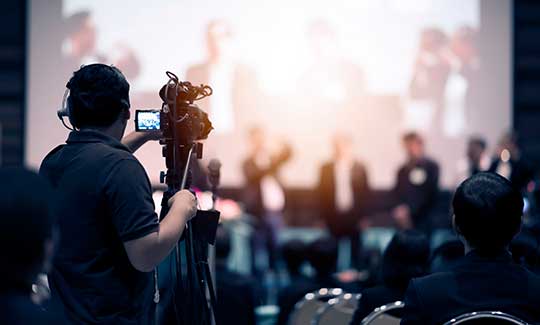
x=180 y=120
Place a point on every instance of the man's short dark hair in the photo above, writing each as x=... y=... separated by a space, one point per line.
x=487 y=211
x=25 y=225
x=405 y=257
x=98 y=93
x=478 y=141
x=412 y=136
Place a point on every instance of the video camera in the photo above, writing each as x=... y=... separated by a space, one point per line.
x=178 y=115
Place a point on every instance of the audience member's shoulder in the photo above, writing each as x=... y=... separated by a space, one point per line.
x=433 y=280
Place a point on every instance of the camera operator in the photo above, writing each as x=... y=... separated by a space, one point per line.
x=110 y=235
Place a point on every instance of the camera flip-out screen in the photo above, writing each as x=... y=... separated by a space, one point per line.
x=147 y=120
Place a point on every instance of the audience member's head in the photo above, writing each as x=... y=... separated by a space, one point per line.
x=98 y=97
x=294 y=255
x=223 y=245
x=405 y=257
x=26 y=226
x=414 y=145
x=487 y=212
x=476 y=148
x=322 y=255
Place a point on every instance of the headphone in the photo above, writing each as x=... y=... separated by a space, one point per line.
x=66 y=109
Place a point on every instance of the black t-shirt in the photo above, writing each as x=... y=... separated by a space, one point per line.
x=103 y=199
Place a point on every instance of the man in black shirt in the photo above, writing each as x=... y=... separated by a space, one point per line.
x=416 y=187
x=110 y=236
x=487 y=215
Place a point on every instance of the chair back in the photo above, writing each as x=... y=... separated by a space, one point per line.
x=306 y=309
x=380 y=315
x=486 y=317
x=338 y=310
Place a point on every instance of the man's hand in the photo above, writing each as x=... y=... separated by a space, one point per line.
x=135 y=140
x=185 y=203
x=147 y=252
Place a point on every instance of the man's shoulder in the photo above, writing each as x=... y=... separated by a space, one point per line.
x=433 y=281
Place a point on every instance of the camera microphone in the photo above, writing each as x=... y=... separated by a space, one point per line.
x=213 y=172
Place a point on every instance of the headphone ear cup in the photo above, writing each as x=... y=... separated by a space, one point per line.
x=68 y=111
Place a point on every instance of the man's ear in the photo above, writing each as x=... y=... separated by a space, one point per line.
x=126 y=114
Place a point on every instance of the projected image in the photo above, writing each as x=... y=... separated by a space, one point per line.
x=372 y=69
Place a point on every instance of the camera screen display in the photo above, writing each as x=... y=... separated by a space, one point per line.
x=147 y=120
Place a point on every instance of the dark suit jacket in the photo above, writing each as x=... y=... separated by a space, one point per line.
x=419 y=197
x=375 y=297
x=479 y=282
x=327 y=197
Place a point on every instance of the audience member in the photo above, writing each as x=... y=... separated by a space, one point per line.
x=322 y=256
x=27 y=244
x=235 y=292
x=509 y=163
x=294 y=255
x=476 y=160
x=487 y=215
x=405 y=257
x=416 y=186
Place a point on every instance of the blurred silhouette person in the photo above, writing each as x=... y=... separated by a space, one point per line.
x=487 y=216
x=331 y=82
x=509 y=162
x=26 y=224
x=464 y=47
x=235 y=292
x=416 y=186
x=344 y=193
x=430 y=74
x=264 y=197
x=476 y=160
x=405 y=257
x=322 y=255
x=79 y=46
x=294 y=255
x=234 y=84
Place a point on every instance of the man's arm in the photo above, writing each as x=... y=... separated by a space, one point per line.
x=135 y=140
x=128 y=196
x=147 y=252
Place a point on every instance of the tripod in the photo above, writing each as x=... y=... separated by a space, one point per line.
x=191 y=282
